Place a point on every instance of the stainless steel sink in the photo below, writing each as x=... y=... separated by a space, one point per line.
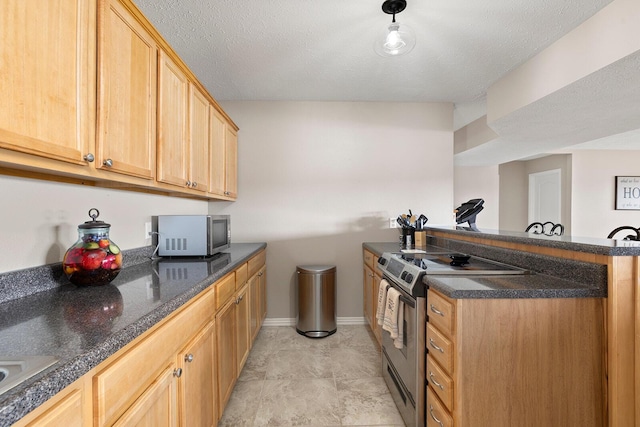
x=15 y=370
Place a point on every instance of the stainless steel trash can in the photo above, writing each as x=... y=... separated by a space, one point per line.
x=316 y=300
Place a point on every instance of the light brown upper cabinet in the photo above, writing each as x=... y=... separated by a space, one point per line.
x=47 y=78
x=127 y=69
x=173 y=147
x=183 y=129
x=92 y=93
x=198 y=139
x=224 y=157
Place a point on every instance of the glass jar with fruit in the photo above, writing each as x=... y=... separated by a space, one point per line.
x=94 y=259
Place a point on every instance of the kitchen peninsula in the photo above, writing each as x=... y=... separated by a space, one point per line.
x=618 y=261
x=581 y=298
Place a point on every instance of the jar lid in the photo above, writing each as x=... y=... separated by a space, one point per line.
x=93 y=214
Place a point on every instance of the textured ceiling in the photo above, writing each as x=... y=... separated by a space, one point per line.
x=323 y=49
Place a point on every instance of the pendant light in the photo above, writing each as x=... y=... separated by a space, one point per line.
x=397 y=39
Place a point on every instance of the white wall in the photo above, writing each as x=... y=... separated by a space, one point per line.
x=514 y=190
x=39 y=219
x=316 y=179
x=479 y=182
x=593 y=197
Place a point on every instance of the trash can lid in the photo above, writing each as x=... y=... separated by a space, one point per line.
x=316 y=268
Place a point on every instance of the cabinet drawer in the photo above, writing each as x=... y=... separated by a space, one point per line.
x=440 y=382
x=441 y=312
x=225 y=288
x=120 y=383
x=256 y=263
x=440 y=348
x=369 y=258
x=241 y=275
x=436 y=414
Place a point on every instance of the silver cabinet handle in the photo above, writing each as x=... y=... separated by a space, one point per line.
x=89 y=157
x=188 y=358
x=108 y=163
x=194 y=184
x=436 y=311
x=177 y=372
x=433 y=344
x=434 y=417
x=188 y=183
x=433 y=380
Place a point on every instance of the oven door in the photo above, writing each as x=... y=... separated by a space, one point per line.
x=403 y=360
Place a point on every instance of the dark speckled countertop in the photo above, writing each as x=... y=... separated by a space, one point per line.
x=573 y=243
x=550 y=277
x=81 y=327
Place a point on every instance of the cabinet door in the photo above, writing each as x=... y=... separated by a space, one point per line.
x=127 y=70
x=226 y=353
x=263 y=295
x=173 y=147
x=223 y=179
x=254 y=298
x=243 y=342
x=157 y=406
x=198 y=139
x=375 y=286
x=231 y=162
x=196 y=388
x=367 y=290
x=69 y=408
x=217 y=170
x=48 y=78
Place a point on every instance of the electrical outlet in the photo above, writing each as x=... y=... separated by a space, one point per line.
x=393 y=223
x=147 y=230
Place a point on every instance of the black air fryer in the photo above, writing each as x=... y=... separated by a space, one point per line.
x=468 y=211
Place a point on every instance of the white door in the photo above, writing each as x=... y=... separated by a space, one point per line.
x=545 y=196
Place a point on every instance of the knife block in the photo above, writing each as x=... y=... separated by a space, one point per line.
x=421 y=239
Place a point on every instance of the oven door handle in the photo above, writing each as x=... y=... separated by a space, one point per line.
x=408 y=301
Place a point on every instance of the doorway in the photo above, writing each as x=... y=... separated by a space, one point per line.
x=545 y=196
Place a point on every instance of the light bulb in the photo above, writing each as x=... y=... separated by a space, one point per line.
x=396 y=40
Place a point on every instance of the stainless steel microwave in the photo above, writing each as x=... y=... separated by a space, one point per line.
x=191 y=235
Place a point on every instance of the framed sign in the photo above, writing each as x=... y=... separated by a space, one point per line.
x=627 y=192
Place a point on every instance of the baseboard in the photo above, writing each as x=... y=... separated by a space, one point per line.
x=285 y=321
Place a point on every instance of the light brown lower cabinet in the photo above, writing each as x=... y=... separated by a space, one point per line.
x=196 y=391
x=157 y=406
x=179 y=373
x=69 y=408
x=232 y=342
x=258 y=293
x=371 y=282
x=226 y=352
x=515 y=362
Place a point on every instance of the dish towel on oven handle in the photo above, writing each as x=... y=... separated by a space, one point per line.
x=382 y=300
x=394 y=317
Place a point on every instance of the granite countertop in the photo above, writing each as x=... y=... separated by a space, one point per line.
x=573 y=243
x=549 y=277
x=511 y=286
x=83 y=326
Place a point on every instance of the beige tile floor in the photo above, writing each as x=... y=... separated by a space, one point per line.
x=291 y=380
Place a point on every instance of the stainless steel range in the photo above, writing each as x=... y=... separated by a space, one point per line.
x=404 y=368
